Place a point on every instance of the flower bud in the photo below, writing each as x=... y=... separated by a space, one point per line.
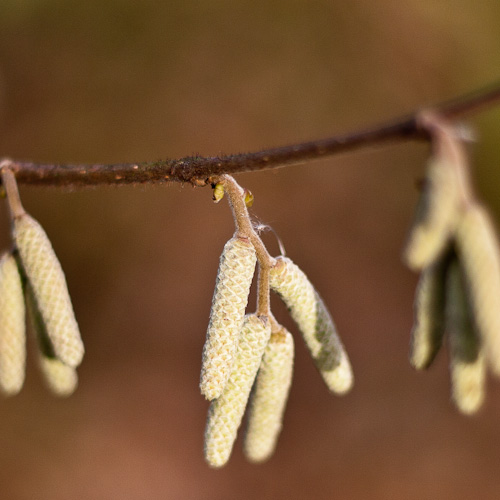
x=61 y=379
x=218 y=192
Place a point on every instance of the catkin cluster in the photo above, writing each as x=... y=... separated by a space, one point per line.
x=245 y=352
x=453 y=244
x=31 y=278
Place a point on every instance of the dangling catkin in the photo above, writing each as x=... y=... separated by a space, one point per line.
x=226 y=412
x=61 y=379
x=269 y=397
x=12 y=327
x=478 y=252
x=314 y=322
x=436 y=215
x=236 y=269
x=428 y=328
x=46 y=276
x=467 y=364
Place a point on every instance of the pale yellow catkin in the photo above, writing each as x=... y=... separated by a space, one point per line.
x=314 y=322
x=269 y=397
x=12 y=327
x=226 y=412
x=429 y=322
x=234 y=277
x=46 y=276
x=436 y=215
x=467 y=362
x=478 y=252
x=61 y=379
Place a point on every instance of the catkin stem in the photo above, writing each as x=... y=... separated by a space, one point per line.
x=245 y=229
x=449 y=146
x=10 y=184
x=263 y=299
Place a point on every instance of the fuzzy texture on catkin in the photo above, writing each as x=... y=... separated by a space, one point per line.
x=12 y=327
x=61 y=379
x=467 y=363
x=45 y=275
x=236 y=270
x=478 y=252
x=429 y=322
x=226 y=412
x=269 y=397
x=436 y=215
x=314 y=322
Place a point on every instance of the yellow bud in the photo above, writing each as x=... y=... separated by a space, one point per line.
x=234 y=277
x=248 y=198
x=226 y=412
x=12 y=327
x=218 y=192
x=314 y=322
x=45 y=275
x=269 y=397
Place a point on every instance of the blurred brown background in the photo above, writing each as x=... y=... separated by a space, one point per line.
x=129 y=81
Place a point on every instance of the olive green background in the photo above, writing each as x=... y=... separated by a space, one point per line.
x=113 y=81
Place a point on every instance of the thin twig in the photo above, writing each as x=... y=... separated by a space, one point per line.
x=197 y=169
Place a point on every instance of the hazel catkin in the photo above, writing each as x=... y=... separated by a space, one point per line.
x=477 y=249
x=12 y=327
x=467 y=363
x=269 y=397
x=226 y=412
x=429 y=307
x=234 y=277
x=314 y=322
x=61 y=379
x=45 y=275
x=436 y=215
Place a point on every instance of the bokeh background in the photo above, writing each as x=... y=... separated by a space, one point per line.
x=126 y=81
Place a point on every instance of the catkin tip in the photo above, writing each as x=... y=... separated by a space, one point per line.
x=61 y=379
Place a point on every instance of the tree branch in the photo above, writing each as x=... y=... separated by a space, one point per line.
x=197 y=169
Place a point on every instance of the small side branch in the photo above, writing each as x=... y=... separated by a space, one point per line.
x=198 y=169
